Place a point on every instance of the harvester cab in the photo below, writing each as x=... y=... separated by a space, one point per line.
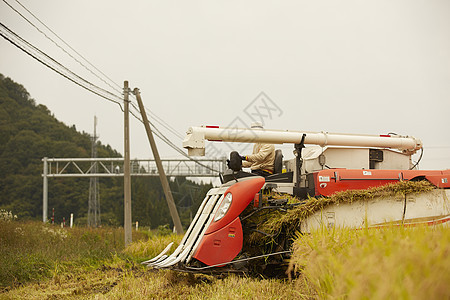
x=235 y=171
x=226 y=233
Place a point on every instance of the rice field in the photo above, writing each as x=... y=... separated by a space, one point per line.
x=41 y=261
x=395 y=263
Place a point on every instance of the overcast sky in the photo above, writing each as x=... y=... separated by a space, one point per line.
x=339 y=66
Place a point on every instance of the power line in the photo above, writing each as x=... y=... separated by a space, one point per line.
x=54 y=42
x=160 y=121
x=156 y=118
x=62 y=70
x=159 y=134
x=30 y=53
x=27 y=51
x=34 y=52
x=165 y=125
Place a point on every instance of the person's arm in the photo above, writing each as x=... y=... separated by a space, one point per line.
x=246 y=164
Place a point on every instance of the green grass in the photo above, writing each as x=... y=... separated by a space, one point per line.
x=32 y=251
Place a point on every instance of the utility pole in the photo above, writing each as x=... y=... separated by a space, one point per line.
x=126 y=167
x=94 y=196
x=45 y=191
x=162 y=175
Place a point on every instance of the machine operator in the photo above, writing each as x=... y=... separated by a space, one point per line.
x=262 y=159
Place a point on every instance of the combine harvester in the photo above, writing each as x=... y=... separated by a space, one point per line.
x=221 y=238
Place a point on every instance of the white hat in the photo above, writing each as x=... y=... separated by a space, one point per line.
x=257 y=125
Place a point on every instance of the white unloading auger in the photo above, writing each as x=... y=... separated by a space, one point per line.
x=196 y=136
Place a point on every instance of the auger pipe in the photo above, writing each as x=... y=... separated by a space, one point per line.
x=196 y=136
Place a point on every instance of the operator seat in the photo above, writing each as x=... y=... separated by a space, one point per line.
x=278 y=176
x=278 y=162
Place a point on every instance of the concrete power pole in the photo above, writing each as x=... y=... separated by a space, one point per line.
x=126 y=167
x=94 y=199
x=45 y=190
x=162 y=175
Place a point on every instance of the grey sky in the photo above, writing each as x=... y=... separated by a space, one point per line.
x=339 y=66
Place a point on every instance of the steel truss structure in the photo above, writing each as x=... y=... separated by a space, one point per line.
x=113 y=167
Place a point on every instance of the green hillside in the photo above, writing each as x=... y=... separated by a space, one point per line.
x=29 y=132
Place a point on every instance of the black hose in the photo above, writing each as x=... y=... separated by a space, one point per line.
x=420 y=157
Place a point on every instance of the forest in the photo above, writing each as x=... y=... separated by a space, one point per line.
x=30 y=132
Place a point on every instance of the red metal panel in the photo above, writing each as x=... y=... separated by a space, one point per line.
x=222 y=241
x=328 y=182
x=440 y=179
x=221 y=246
x=243 y=193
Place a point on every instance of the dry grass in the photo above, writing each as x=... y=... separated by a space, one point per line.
x=134 y=282
x=390 y=263
x=74 y=284
x=171 y=285
x=146 y=249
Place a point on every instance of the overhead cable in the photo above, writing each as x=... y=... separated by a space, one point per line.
x=60 y=47
x=35 y=52
x=156 y=118
x=30 y=53
x=159 y=134
x=62 y=70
